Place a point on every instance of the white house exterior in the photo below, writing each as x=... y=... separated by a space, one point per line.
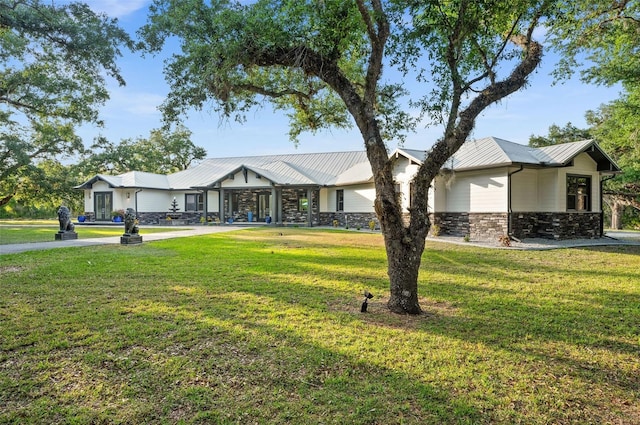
x=490 y=187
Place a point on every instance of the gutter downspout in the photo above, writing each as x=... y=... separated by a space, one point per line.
x=509 y=207
x=602 y=204
x=135 y=200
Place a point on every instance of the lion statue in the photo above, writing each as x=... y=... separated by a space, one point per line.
x=130 y=222
x=64 y=218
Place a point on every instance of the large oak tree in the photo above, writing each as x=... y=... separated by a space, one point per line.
x=53 y=64
x=323 y=62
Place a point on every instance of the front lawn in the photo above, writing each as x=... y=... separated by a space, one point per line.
x=264 y=326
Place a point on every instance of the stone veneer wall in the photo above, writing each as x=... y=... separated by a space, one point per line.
x=156 y=217
x=487 y=226
x=290 y=213
x=350 y=220
x=571 y=225
x=490 y=226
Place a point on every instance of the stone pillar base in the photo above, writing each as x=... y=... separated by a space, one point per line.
x=66 y=236
x=130 y=239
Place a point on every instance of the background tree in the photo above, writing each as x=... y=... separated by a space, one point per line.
x=53 y=63
x=606 y=33
x=568 y=133
x=601 y=38
x=163 y=152
x=323 y=62
x=43 y=190
x=616 y=126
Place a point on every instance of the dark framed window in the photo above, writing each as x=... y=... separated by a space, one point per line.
x=193 y=202
x=303 y=203
x=340 y=200
x=578 y=193
x=235 y=203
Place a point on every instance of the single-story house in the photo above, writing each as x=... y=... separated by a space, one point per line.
x=489 y=188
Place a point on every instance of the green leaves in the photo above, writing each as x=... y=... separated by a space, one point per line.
x=605 y=33
x=163 y=152
x=53 y=60
x=240 y=56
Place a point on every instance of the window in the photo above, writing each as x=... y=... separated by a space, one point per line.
x=578 y=193
x=303 y=203
x=194 y=202
x=235 y=203
x=339 y=200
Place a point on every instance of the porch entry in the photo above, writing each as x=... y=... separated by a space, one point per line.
x=264 y=206
x=103 y=205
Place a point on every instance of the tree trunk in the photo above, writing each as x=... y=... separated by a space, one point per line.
x=404 y=244
x=403 y=258
x=617 y=208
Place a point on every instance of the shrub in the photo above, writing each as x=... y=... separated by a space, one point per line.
x=504 y=240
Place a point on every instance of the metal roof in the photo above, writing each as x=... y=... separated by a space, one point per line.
x=347 y=168
x=320 y=169
x=131 y=179
x=289 y=169
x=491 y=152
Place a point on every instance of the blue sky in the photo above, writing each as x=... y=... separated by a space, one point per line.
x=132 y=110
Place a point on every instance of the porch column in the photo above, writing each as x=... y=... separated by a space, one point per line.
x=309 y=207
x=273 y=205
x=279 y=205
x=206 y=205
x=221 y=211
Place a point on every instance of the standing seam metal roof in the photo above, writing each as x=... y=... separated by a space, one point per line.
x=491 y=152
x=292 y=169
x=345 y=168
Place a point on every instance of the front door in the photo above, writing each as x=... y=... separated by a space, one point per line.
x=103 y=203
x=264 y=206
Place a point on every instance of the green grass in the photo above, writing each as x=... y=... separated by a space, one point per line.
x=263 y=326
x=12 y=233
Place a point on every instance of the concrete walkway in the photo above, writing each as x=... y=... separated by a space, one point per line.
x=35 y=246
x=611 y=238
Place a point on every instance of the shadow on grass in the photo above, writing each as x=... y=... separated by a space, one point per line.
x=208 y=331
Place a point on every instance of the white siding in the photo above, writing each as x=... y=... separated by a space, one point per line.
x=213 y=201
x=431 y=199
x=252 y=181
x=359 y=198
x=150 y=200
x=325 y=195
x=549 y=190
x=476 y=192
x=88 y=200
x=403 y=172
x=524 y=190
x=545 y=190
x=438 y=193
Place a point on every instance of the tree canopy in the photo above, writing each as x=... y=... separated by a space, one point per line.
x=599 y=37
x=163 y=152
x=556 y=135
x=323 y=62
x=53 y=64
